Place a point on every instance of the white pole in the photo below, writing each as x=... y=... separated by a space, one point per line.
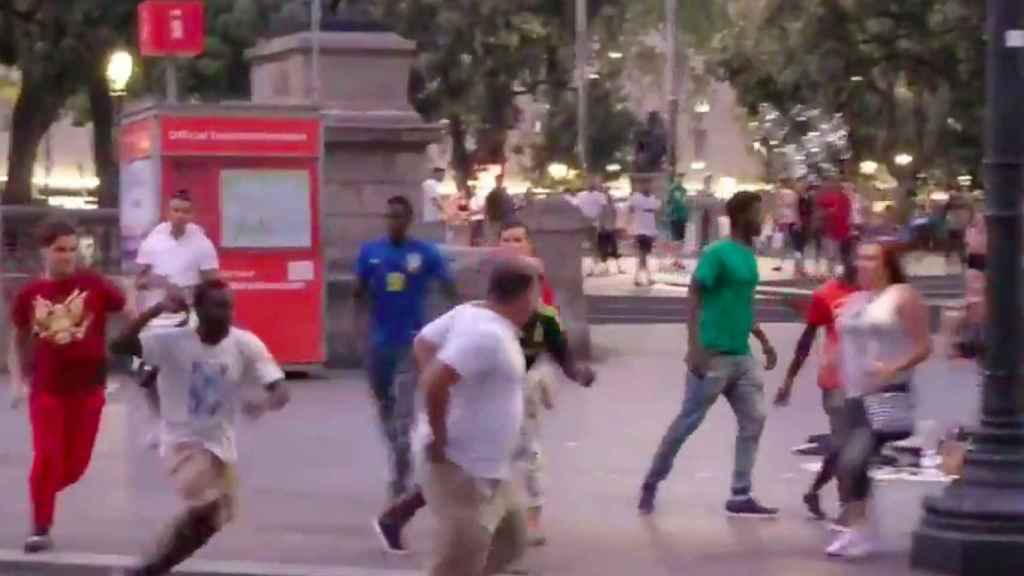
x=582 y=58
x=317 y=9
x=171 y=79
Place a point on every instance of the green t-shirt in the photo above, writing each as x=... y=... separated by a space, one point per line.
x=676 y=209
x=727 y=275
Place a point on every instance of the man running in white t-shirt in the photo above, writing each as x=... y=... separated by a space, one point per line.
x=473 y=388
x=204 y=376
x=643 y=211
x=175 y=257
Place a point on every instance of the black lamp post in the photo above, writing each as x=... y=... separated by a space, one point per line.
x=976 y=526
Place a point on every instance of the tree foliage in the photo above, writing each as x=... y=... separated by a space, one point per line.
x=907 y=75
x=60 y=49
x=478 y=56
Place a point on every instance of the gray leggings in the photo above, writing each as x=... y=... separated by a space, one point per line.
x=861 y=445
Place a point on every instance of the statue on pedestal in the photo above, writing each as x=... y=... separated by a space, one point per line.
x=650 y=145
x=337 y=16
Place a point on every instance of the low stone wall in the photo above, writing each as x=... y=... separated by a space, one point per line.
x=555 y=225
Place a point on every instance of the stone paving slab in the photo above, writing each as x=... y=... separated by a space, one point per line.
x=312 y=476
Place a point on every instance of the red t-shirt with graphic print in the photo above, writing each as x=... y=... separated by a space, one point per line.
x=68 y=322
x=825 y=304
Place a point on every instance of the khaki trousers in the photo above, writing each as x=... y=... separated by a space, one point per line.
x=482 y=525
x=202 y=478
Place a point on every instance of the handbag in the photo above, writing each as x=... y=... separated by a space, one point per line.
x=890 y=412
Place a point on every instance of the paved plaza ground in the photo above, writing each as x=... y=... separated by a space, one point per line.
x=313 y=476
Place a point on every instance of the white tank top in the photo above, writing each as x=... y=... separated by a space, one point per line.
x=870 y=332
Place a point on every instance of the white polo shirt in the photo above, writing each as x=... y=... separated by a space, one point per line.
x=180 y=260
x=431 y=193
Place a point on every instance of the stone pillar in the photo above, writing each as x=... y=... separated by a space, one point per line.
x=375 y=146
x=374 y=142
x=558 y=231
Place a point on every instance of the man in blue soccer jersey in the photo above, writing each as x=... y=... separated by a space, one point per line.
x=394 y=275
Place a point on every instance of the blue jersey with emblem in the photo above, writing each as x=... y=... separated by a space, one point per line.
x=397 y=278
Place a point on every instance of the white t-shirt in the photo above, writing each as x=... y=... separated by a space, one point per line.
x=200 y=386
x=786 y=210
x=431 y=195
x=591 y=204
x=180 y=260
x=644 y=210
x=485 y=409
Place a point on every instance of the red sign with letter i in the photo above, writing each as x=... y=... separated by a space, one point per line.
x=171 y=28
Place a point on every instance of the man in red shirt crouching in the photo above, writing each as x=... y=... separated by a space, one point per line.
x=60 y=343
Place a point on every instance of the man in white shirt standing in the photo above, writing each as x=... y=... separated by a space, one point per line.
x=592 y=203
x=787 y=220
x=203 y=372
x=433 y=203
x=175 y=253
x=175 y=257
x=473 y=384
x=643 y=211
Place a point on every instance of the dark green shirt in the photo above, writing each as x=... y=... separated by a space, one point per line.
x=727 y=276
x=677 y=211
x=543 y=333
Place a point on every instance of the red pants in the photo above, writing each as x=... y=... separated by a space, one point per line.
x=64 y=428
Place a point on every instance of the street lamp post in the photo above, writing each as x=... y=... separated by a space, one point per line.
x=672 y=81
x=582 y=78
x=976 y=526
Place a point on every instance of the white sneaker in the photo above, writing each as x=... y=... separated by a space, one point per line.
x=852 y=545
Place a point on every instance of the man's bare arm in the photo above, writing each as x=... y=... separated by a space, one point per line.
x=144 y=278
x=127 y=343
x=424 y=351
x=803 y=349
x=21 y=362
x=436 y=383
x=771 y=358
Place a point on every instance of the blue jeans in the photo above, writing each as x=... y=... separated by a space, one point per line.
x=738 y=379
x=392 y=375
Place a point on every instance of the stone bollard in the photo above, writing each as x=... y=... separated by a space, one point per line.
x=558 y=231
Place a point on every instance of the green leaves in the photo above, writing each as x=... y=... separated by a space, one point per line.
x=882 y=63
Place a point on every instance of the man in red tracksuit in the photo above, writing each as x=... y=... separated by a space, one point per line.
x=60 y=341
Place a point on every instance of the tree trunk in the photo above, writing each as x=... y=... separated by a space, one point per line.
x=101 y=104
x=35 y=110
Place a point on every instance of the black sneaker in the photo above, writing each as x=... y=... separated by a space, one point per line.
x=813 y=503
x=747 y=507
x=38 y=543
x=390 y=534
x=646 y=506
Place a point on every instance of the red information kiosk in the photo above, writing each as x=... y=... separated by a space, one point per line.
x=254 y=177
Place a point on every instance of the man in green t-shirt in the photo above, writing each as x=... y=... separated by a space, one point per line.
x=719 y=357
x=677 y=213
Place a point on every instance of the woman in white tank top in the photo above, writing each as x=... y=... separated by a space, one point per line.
x=884 y=333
